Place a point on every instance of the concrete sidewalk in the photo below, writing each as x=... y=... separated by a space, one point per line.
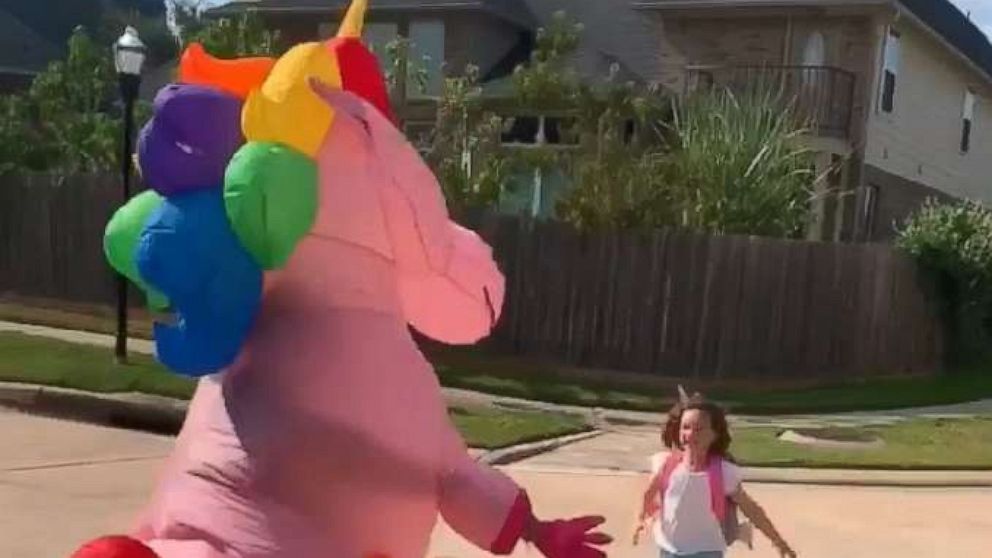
x=62 y=483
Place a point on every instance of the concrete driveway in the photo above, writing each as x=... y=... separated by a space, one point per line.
x=63 y=482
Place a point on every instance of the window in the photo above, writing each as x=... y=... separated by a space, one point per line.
x=814 y=59
x=967 y=117
x=890 y=71
x=815 y=51
x=420 y=134
x=327 y=30
x=377 y=36
x=427 y=53
x=538 y=130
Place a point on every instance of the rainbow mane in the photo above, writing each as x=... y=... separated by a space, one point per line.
x=229 y=157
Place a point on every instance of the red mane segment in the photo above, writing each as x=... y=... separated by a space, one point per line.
x=360 y=73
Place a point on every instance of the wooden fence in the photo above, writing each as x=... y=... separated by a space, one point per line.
x=51 y=237
x=669 y=303
x=712 y=307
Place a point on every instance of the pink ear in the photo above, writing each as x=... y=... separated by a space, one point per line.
x=340 y=100
x=450 y=286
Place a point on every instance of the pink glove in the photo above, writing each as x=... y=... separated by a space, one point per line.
x=555 y=539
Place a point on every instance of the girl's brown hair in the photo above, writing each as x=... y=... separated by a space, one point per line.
x=718 y=421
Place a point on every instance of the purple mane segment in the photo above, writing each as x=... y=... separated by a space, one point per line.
x=188 y=143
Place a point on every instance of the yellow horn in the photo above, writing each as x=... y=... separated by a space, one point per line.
x=351 y=27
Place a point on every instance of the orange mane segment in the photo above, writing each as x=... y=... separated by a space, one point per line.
x=237 y=77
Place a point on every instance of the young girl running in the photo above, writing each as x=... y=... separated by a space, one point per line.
x=695 y=488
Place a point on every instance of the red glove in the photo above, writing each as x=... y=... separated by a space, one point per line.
x=569 y=538
x=555 y=539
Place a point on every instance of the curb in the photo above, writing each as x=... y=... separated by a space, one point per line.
x=156 y=414
x=862 y=478
x=163 y=415
x=512 y=454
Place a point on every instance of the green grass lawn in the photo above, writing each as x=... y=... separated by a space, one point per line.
x=492 y=429
x=473 y=369
x=38 y=360
x=964 y=444
x=920 y=444
x=876 y=394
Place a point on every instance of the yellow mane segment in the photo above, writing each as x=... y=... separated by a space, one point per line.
x=354 y=20
x=285 y=109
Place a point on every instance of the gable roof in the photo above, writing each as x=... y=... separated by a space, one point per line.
x=955 y=28
x=514 y=11
x=941 y=16
x=22 y=50
x=613 y=33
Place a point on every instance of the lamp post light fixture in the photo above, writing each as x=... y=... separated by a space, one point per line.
x=129 y=58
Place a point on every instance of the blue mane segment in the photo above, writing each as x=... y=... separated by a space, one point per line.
x=189 y=252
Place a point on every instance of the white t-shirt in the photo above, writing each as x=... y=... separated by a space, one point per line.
x=687 y=525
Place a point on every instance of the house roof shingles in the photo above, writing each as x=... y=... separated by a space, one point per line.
x=21 y=49
x=616 y=32
x=944 y=18
x=613 y=32
x=514 y=11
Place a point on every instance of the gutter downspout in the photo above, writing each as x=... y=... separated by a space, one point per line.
x=787 y=47
x=873 y=84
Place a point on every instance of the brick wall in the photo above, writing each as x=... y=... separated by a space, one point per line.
x=692 y=41
x=757 y=41
x=896 y=198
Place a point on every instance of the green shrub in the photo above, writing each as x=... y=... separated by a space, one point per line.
x=953 y=244
x=738 y=167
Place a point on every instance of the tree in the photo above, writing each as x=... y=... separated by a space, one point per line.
x=465 y=151
x=952 y=243
x=635 y=157
x=240 y=36
x=737 y=166
x=64 y=121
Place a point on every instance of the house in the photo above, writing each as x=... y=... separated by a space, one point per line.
x=898 y=91
x=23 y=54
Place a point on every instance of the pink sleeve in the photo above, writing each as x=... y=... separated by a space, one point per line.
x=476 y=500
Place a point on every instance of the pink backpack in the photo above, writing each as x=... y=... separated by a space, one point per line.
x=723 y=507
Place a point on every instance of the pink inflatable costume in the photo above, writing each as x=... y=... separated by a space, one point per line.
x=327 y=436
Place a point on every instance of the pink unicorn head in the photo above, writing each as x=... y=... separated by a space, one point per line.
x=373 y=193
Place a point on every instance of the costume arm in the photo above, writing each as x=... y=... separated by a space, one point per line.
x=481 y=504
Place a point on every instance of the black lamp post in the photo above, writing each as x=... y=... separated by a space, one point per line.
x=129 y=57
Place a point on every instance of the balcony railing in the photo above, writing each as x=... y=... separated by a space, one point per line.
x=821 y=97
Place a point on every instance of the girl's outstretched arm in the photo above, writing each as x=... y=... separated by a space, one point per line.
x=757 y=515
x=647 y=507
